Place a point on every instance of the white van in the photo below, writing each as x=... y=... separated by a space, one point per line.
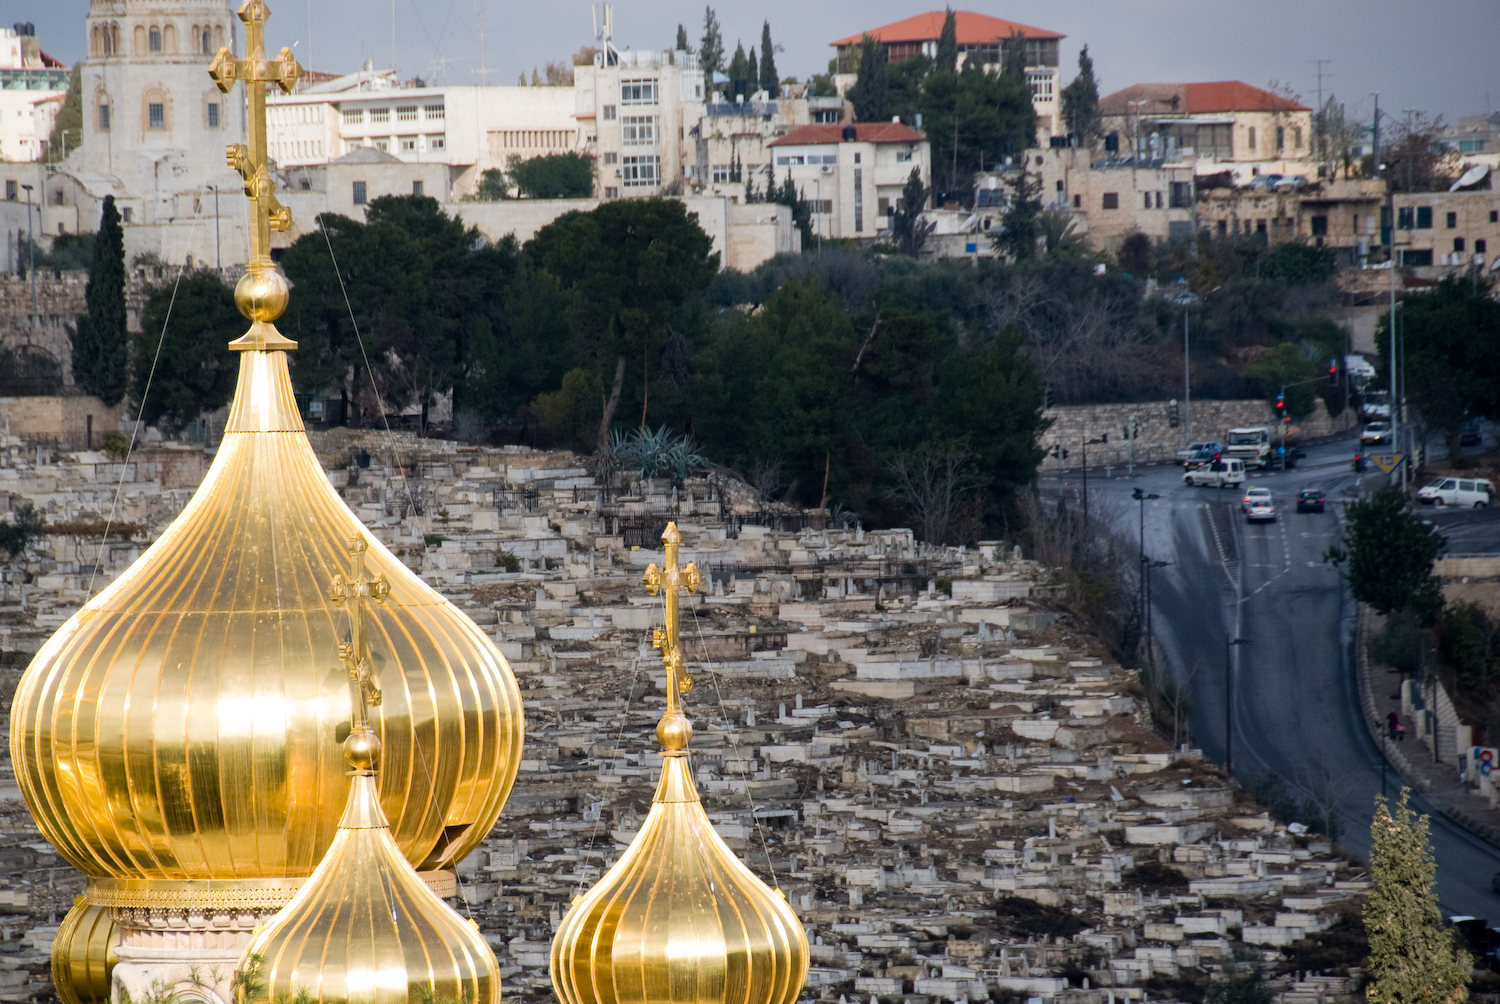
x=1463 y=492
x=1228 y=471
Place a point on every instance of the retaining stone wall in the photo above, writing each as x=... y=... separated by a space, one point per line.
x=1159 y=440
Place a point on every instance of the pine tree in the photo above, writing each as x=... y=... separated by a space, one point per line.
x=101 y=346
x=1080 y=101
x=1013 y=59
x=1411 y=955
x=769 y=82
x=536 y=80
x=710 y=49
x=752 y=72
x=682 y=40
x=69 y=121
x=947 y=47
x=871 y=91
x=1021 y=225
x=522 y=81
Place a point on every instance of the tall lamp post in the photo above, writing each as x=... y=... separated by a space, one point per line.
x=1229 y=644
x=31 y=254
x=1150 y=634
x=1185 y=300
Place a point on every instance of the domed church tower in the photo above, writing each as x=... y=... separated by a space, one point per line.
x=179 y=740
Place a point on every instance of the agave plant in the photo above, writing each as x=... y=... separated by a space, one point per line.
x=652 y=453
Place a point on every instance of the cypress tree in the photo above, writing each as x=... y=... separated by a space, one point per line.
x=769 y=82
x=871 y=91
x=710 y=50
x=752 y=72
x=1013 y=60
x=100 y=344
x=682 y=40
x=1410 y=953
x=947 y=47
x=737 y=67
x=1080 y=101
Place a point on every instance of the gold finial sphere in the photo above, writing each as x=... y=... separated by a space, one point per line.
x=674 y=732
x=262 y=295
x=362 y=749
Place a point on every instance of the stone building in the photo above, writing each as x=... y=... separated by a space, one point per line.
x=1223 y=125
x=30 y=81
x=853 y=174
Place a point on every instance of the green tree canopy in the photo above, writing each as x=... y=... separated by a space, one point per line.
x=681 y=45
x=180 y=364
x=67 y=128
x=1452 y=348
x=973 y=118
x=101 y=347
x=553 y=176
x=1411 y=954
x=1021 y=225
x=1286 y=365
x=425 y=292
x=1390 y=552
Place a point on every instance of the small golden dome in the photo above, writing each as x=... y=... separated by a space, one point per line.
x=83 y=954
x=178 y=739
x=366 y=928
x=679 y=917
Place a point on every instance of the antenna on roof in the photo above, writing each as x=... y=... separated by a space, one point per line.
x=604 y=32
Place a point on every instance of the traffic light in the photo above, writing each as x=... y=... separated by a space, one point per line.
x=1280 y=404
x=1333 y=372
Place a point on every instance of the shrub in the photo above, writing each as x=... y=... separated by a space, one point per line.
x=508 y=561
x=1025 y=918
x=1467 y=641
x=1154 y=875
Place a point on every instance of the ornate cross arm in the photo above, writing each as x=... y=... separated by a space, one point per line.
x=673 y=729
x=354 y=592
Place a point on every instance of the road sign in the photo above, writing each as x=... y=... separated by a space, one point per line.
x=1387 y=462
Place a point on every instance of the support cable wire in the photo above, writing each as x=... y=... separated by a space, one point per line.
x=135 y=428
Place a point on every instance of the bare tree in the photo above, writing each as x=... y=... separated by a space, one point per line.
x=765 y=476
x=934 y=486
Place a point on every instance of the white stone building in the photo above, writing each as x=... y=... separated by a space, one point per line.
x=852 y=174
x=28 y=79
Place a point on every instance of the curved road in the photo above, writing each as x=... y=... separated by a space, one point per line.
x=1296 y=702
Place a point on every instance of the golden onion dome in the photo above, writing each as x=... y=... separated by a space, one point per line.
x=365 y=927
x=178 y=738
x=679 y=917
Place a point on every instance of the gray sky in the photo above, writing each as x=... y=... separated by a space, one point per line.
x=1437 y=55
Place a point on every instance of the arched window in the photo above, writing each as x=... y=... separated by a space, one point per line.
x=140 y=40
x=96 y=47
x=169 y=39
x=154 y=39
x=112 y=40
x=206 y=43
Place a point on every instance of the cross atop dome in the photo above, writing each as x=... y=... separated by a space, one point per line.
x=262 y=293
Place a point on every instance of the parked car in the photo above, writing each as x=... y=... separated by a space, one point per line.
x=1264 y=181
x=1228 y=471
x=1258 y=505
x=1471 y=434
x=1376 y=434
x=1310 y=500
x=1466 y=493
x=1198 y=452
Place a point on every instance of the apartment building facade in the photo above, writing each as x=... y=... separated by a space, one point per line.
x=32 y=85
x=853 y=174
x=1218 y=126
x=981 y=38
x=1448 y=229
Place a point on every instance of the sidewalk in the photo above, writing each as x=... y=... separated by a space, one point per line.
x=1437 y=782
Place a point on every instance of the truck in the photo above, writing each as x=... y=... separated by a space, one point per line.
x=1252 y=445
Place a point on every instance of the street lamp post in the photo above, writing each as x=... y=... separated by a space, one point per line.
x=1150 y=633
x=1229 y=644
x=31 y=254
x=1087 y=442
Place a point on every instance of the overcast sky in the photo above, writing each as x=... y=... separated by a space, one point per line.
x=1436 y=55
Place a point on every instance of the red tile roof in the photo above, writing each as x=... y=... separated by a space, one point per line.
x=973 y=29
x=1197 y=99
x=865 y=132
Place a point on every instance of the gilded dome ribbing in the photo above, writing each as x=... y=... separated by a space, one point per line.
x=678 y=918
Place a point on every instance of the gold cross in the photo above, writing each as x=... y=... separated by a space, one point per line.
x=354 y=591
x=256 y=71
x=669 y=639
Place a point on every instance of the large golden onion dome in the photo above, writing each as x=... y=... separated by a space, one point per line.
x=678 y=918
x=178 y=739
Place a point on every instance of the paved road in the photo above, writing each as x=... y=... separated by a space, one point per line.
x=1296 y=709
